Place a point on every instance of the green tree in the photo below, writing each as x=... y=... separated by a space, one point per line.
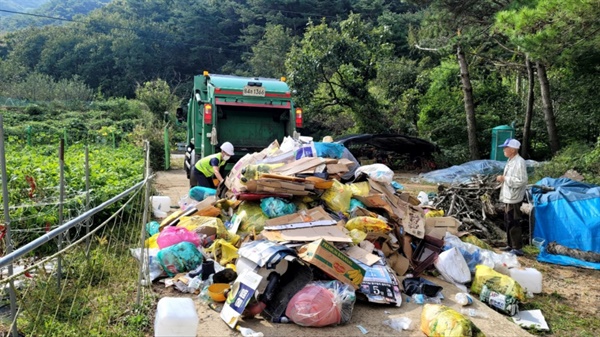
x=554 y=33
x=334 y=66
x=269 y=54
x=442 y=116
x=159 y=98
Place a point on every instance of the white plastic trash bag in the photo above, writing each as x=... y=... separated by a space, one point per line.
x=377 y=172
x=474 y=255
x=452 y=265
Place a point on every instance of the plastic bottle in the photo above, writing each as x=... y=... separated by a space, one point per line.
x=281 y=319
x=247 y=332
x=473 y=313
x=418 y=298
x=463 y=299
x=422 y=299
x=528 y=278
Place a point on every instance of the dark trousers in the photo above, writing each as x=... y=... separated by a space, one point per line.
x=512 y=223
x=202 y=180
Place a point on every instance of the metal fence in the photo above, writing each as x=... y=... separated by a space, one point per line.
x=88 y=283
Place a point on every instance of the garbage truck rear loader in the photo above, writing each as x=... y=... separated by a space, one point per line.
x=249 y=112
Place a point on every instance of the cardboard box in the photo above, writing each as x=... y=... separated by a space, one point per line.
x=438 y=226
x=241 y=293
x=329 y=259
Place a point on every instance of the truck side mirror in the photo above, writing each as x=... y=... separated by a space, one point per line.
x=181 y=115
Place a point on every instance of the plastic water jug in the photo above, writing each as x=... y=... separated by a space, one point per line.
x=161 y=203
x=176 y=316
x=529 y=278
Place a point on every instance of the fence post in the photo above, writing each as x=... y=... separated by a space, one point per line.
x=9 y=247
x=167 y=148
x=61 y=161
x=87 y=200
x=144 y=221
x=65 y=137
x=28 y=130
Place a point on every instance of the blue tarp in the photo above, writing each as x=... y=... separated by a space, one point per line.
x=570 y=216
x=463 y=173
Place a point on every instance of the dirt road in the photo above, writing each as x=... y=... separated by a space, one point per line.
x=369 y=316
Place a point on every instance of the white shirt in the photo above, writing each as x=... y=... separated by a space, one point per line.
x=515 y=181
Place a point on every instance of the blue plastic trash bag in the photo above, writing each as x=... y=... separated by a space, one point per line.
x=200 y=193
x=355 y=203
x=179 y=258
x=397 y=186
x=152 y=228
x=275 y=207
x=329 y=150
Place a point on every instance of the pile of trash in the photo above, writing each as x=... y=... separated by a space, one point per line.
x=284 y=238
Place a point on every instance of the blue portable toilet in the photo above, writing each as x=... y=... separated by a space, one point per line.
x=499 y=135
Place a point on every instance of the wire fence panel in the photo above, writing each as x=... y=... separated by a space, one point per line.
x=99 y=283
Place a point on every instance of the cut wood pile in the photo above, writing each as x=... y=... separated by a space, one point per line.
x=473 y=203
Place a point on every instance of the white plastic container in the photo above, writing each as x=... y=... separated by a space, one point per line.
x=161 y=203
x=529 y=278
x=176 y=316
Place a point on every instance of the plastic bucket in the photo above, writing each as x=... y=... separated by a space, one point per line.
x=538 y=242
x=161 y=203
x=176 y=317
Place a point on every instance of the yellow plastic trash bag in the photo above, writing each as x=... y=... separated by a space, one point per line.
x=434 y=213
x=208 y=226
x=497 y=282
x=360 y=189
x=440 y=320
x=252 y=172
x=253 y=218
x=337 y=198
x=151 y=241
x=223 y=252
x=368 y=224
x=472 y=239
x=357 y=236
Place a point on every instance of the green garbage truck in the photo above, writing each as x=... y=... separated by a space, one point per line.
x=249 y=112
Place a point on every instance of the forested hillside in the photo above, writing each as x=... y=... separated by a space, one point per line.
x=44 y=12
x=20 y=6
x=445 y=70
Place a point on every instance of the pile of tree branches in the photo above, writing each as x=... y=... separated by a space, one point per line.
x=473 y=203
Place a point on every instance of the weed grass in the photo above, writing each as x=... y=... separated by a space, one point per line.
x=97 y=297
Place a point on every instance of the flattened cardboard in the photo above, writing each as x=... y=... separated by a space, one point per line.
x=329 y=259
x=336 y=168
x=298 y=166
x=362 y=255
x=399 y=263
x=329 y=233
x=406 y=197
x=414 y=221
x=438 y=226
x=346 y=162
x=313 y=214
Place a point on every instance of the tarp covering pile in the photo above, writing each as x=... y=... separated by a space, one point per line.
x=569 y=216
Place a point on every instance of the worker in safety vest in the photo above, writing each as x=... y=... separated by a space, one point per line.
x=208 y=167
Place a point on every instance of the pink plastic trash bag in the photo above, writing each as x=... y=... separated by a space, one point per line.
x=314 y=306
x=172 y=235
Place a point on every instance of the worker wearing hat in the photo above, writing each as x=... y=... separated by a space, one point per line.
x=512 y=192
x=209 y=166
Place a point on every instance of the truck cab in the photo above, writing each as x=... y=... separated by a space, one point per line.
x=249 y=112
